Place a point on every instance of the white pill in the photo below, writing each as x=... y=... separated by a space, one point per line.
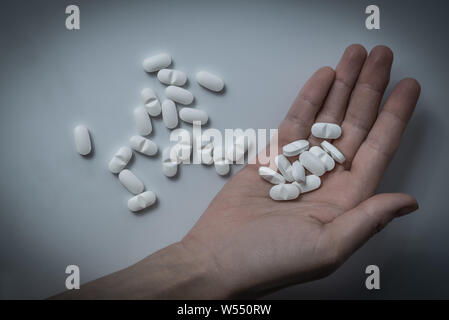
x=296 y=147
x=169 y=167
x=143 y=145
x=179 y=95
x=151 y=102
x=284 y=166
x=181 y=151
x=298 y=172
x=282 y=192
x=207 y=148
x=236 y=152
x=190 y=115
x=130 y=181
x=157 y=62
x=325 y=158
x=120 y=159
x=221 y=164
x=209 y=81
x=326 y=130
x=311 y=183
x=143 y=121
x=172 y=77
x=312 y=163
x=169 y=114
x=270 y=175
x=141 y=201
x=82 y=140
x=333 y=151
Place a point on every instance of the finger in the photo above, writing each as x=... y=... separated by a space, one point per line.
x=384 y=138
x=301 y=115
x=352 y=229
x=365 y=101
x=346 y=74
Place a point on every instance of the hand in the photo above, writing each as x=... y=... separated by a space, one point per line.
x=257 y=244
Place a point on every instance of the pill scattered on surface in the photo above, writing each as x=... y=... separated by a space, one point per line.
x=151 y=102
x=120 y=159
x=311 y=183
x=325 y=158
x=169 y=167
x=179 y=95
x=296 y=147
x=169 y=114
x=282 y=192
x=142 y=201
x=270 y=175
x=143 y=121
x=181 y=151
x=333 y=151
x=190 y=115
x=172 y=77
x=222 y=166
x=325 y=130
x=284 y=166
x=82 y=140
x=207 y=148
x=156 y=62
x=298 y=172
x=143 y=145
x=209 y=81
x=130 y=181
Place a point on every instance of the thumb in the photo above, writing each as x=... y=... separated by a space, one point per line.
x=352 y=229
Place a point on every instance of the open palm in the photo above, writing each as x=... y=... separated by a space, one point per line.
x=260 y=244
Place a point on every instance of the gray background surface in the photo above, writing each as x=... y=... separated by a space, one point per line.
x=59 y=209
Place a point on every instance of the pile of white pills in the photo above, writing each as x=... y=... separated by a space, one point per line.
x=292 y=179
x=153 y=107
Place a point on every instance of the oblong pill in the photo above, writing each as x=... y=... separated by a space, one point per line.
x=298 y=172
x=311 y=183
x=312 y=163
x=142 y=201
x=326 y=130
x=207 y=149
x=333 y=151
x=143 y=121
x=143 y=145
x=325 y=158
x=120 y=159
x=209 y=81
x=156 y=62
x=179 y=95
x=296 y=147
x=169 y=114
x=172 y=77
x=284 y=167
x=283 y=192
x=130 y=181
x=190 y=114
x=222 y=166
x=169 y=167
x=270 y=175
x=82 y=140
x=151 y=102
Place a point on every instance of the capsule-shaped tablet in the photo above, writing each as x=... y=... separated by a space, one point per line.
x=169 y=167
x=311 y=183
x=151 y=102
x=283 y=192
x=325 y=130
x=179 y=95
x=325 y=158
x=120 y=159
x=284 y=166
x=270 y=175
x=157 y=62
x=222 y=166
x=207 y=148
x=312 y=163
x=169 y=114
x=172 y=77
x=142 y=201
x=296 y=147
x=143 y=145
x=209 y=81
x=181 y=151
x=143 y=121
x=333 y=151
x=298 y=172
x=190 y=115
x=131 y=182
x=82 y=140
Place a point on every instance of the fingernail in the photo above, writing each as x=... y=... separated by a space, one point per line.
x=406 y=210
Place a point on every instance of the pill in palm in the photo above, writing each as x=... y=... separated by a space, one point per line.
x=179 y=95
x=282 y=192
x=151 y=102
x=143 y=145
x=143 y=121
x=284 y=166
x=333 y=151
x=311 y=183
x=270 y=175
x=169 y=167
x=156 y=62
x=326 y=130
x=190 y=115
x=296 y=147
x=325 y=158
x=141 y=201
x=298 y=172
x=312 y=163
x=82 y=140
x=130 y=181
x=209 y=81
x=172 y=77
x=169 y=114
x=120 y=159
